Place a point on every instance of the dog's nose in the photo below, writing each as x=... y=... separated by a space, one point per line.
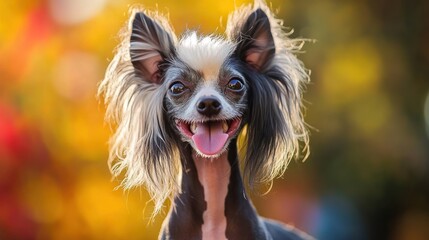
x=209 y=106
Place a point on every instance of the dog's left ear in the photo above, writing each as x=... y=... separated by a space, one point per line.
x=275 y=125
x=255 y=42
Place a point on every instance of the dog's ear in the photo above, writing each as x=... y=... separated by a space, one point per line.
x=255 y=42
x=275 y=125
x=142 y=147
x=150 y=45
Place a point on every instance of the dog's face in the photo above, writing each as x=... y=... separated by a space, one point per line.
x=206 y=79
x=206 y=94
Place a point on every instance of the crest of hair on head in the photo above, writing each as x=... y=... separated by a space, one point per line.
x=287 y=76
x=141 y=146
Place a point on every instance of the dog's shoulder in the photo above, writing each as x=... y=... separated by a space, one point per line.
x=281 y=231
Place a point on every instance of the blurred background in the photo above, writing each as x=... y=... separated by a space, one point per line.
x=368 y=105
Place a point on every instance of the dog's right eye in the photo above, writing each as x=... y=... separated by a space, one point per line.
x=177 y=88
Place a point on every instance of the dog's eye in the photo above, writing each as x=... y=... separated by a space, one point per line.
x=177 y=88
x=235 y=84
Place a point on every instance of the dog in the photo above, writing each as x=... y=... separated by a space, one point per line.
x=193 y=113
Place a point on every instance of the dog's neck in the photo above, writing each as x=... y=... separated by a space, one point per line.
x=213 y=175
x=212 y=203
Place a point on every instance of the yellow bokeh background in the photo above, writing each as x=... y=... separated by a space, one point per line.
x=367 y=107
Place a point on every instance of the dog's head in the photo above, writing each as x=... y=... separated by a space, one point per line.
x=206 y=94
x=203 y=90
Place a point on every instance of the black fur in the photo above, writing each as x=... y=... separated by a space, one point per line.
x=267 y=122
x=185 y=217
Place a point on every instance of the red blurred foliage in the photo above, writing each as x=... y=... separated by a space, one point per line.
x=21 y=148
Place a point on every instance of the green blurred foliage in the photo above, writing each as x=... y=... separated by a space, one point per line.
x=368 y=173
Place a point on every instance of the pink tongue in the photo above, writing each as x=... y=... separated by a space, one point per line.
x=209 y=138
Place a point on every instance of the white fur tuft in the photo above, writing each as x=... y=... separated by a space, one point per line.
x=204 y=54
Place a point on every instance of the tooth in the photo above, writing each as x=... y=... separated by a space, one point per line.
x=193 y=127
x=225 y=126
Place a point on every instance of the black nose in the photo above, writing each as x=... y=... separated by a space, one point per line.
x=209 y=106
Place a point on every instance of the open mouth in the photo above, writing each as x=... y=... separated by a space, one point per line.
x=209 y=137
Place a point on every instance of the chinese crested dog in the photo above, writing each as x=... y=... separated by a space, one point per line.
x=194 y=112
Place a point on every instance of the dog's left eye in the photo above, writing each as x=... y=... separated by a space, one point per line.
x=177 y=88
x=235 y=84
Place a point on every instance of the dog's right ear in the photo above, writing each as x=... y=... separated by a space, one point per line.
x=151 y=43
x=142 y=147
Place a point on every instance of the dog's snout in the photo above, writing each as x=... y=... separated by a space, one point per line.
x=209 y=106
